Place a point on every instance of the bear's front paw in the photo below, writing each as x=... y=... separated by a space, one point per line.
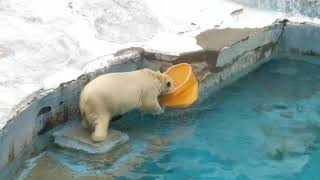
x=161 y=110
x=98 y=137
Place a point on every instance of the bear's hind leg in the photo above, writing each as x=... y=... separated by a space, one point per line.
x=101 y=129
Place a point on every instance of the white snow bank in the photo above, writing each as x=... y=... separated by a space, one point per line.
x=172 y=44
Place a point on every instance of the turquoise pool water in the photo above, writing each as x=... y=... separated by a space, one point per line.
x=264 y=126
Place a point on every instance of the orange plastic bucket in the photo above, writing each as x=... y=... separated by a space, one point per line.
x=185 y=92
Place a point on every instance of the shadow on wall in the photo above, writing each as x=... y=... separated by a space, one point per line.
x=309 y=8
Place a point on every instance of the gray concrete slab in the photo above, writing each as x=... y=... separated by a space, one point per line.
x=75 y=137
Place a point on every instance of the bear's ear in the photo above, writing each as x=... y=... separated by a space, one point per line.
x=145 y=69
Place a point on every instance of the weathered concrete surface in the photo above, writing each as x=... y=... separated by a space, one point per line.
x=74 y=136
x=300 y=39
x=202 y=62
x=258 y=41
x=216 y=39
x=223 y=47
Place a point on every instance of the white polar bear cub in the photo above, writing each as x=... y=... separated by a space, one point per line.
x=114 y=94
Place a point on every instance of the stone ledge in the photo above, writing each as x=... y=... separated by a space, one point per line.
x=74 y=136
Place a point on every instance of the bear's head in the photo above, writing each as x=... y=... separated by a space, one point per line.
x=166 y=83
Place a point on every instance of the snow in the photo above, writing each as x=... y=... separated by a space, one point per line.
x=45 y=43
x=174 y=44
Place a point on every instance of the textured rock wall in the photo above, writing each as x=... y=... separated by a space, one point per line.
x=309 y=8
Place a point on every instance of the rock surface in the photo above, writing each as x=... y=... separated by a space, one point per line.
x=74 y=136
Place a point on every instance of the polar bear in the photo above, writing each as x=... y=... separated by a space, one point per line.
x=114 y=94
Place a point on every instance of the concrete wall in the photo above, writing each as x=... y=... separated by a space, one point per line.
x=300 y=41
